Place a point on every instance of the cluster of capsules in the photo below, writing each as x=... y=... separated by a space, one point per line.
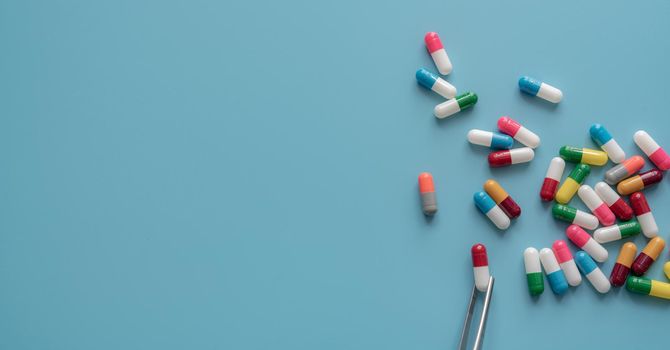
x=606 y=205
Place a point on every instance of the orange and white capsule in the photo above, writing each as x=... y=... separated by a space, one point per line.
x=427 y=192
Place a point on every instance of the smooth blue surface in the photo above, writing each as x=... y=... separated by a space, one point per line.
x=501 y=141
x=529 y=85
x=558 y=282
x=599 y=134
x=174 y=178
x=426 y=78
x=585 y=263
x=483 y=201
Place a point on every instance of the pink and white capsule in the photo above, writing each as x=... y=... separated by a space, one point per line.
x=437 y=52
x=512 y=128
x=596 y=205
x=655 y=153
x=566 y=262
x=583 y=240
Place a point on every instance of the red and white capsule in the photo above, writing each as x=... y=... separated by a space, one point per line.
x=596 y=205
x=644 y=216
x=567 y=263
x=655 y=153
x=437 y=52
x=616 y=204
x=511 y=156
x=583 y=240
x=480 y=266
x=512 y=128
x=552 y=179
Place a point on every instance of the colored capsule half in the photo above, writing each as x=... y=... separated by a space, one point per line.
x=574 y=216
x=628 y=168
x=552 y=179
x=592 y=272
x=616 y=204
x=552 y=269
x=427 y=193
x=666 y=269
x=489 y=139
x=488 y=207
x=567 y=263
x=641 y=285
x=455 y=105
x=502 y=198
x=572 y=183
x=639 y=182
x=531 y=261
x=617 y=232
x=623 y=262
x=583 y=155
x=512 y=128
x=596 y=205
x=656 y=154
x=648 y=255
x=433 y=82
x=644 y=216
x=480 y=266
x=542 y=90
x=607 y=143
x=509 y=157
x=437 y=52
x=583 y=240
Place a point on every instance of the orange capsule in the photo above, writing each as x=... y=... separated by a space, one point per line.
x=639 y=182
x=648 y=255
x=427 y=193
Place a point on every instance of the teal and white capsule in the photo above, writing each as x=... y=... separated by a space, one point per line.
x=617 y=232
x=592 y=272
x=490 y=139
x=455 y=105
x=607 y=143
x=488 y=207
x=552 y=269
x=433 y=82
x=542 y=90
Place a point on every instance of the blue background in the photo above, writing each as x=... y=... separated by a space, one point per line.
x=242 y=174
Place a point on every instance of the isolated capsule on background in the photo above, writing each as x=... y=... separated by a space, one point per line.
x=628 y=168
x=555 y=275
x=567 y=263
x=489 y=139
x=480 y=266
x=639 y=182
x=656 y=154
x=616 y=204
x=433 y=82
x=646 y=286
x=542 y=90
x=455 y=105
x=512 y=128
x=592 y=272
x=617 y=232
x=509 y=157
x=488 y=207
x=572 y=183
x=502 y=198
x=552 y=179
x=438 y=53
x=574 y=216
x=647 y=256
x=623 y=262
x=531 y=261
x=583 y=155
x=596 y=205
x=644 y=216
x=607 y=143
x=583 y=240
x=427 y=192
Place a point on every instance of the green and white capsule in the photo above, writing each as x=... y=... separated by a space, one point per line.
x=531 y=260
x=617 y=232
x=455 y=105
x=574 y=216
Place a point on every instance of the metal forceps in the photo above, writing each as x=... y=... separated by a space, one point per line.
x=482 y=321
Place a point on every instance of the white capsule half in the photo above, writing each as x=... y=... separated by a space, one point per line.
x=442 y=61
x=556 y=168
x=498 y=217
x=550 y=93
x=585 y=220
x=645 y=142
x=607 y=234
x=481 y=277
x=599 y=280
x=521 y=155
x=446 y=109
x=531 y=260
x=595 y=250
x=444 y=89
x=527 y=137
x=614 y=151
x=589 y=197
x=571 y=272
x=648 y=225
x=549 y=261
x=606 y=193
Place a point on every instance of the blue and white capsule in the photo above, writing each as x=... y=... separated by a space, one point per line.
x=592 y=272
x=490 y=139
x=433 y=82
x=555 y=275
x=604 y=139
x=542 y=90
x=488 y=207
